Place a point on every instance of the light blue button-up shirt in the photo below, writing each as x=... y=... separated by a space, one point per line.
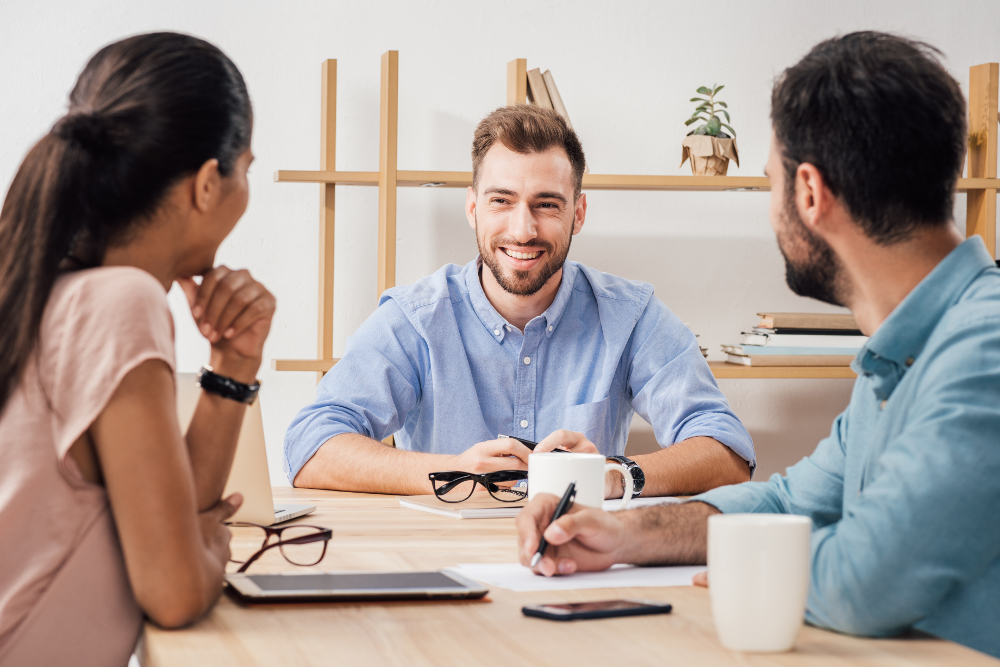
x=905 y=493
x=437 y=366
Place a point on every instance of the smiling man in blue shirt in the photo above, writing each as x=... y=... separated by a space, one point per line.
x=868 y=141
x=520 y=342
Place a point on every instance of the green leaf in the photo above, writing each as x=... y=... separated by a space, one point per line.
x=690 y=120
x=703 y=107
x=726 y=114
x=714 y=125
x=704 y=91
x=717 y=89
x=703 y=130
x=723 y=105
x=698 y=99
x=730 y=129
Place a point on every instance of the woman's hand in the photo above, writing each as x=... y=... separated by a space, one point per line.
x=214 y=531
x=233 y=311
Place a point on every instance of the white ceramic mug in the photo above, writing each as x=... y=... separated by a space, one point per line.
x=758 y=569
x=551 y=472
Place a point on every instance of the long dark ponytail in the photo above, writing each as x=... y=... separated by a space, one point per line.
x=145 y=112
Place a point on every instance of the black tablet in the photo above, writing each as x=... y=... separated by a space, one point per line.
x=341 y=586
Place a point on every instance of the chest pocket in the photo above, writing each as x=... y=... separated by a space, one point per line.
x=589 y=419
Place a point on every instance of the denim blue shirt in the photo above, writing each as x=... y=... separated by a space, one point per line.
x=904 y=494
x=438 y=366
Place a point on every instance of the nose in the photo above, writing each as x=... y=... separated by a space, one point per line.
x=522 y=224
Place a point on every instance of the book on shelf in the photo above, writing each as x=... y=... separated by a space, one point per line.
x=764 y=350
x=785 y=331
x=555 y=97
x=538 y=94
x=801 y=340
x=807 y=321
x=792 y=360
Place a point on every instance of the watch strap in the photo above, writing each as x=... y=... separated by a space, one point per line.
x=638 y=481
x=226 y=387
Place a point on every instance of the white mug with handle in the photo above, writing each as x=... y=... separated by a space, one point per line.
x=551 y=472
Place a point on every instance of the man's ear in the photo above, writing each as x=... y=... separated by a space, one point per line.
x=207 y=186
x=470 y=206
x=813 y=198
x=580 y=214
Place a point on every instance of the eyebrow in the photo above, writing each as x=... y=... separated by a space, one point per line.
x=539 y=195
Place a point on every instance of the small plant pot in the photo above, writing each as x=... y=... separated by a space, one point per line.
x=709 y=155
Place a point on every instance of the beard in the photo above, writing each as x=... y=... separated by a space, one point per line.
x=522 y=283
x=819 y=276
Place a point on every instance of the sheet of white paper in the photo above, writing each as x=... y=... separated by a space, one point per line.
x=616 y=504
x=516 y=577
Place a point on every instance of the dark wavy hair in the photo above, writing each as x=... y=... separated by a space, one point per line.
x=883 y=121
x=145 y=112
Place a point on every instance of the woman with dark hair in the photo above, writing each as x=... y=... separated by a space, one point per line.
x=108 y=511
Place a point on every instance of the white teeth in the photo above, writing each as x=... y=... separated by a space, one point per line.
x=521 y=255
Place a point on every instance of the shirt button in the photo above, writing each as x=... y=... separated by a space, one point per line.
x=508 y=327
x=524 y=423
x=550 y=327
x=527 y=360
x=909 y=361
x=882 y=405
x=496 y=332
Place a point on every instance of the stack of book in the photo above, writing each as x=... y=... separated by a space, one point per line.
x=704 y=350
x=542 y=92
x=798 y=339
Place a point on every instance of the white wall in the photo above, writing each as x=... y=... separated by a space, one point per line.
x=625 y=71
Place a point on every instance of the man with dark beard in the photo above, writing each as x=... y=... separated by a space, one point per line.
x=519 y=342
x=868 y=141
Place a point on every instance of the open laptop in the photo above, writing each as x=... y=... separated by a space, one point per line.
x=249 y=474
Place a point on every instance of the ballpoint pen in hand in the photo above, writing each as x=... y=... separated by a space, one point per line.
x=528 y=443
x=561 y=508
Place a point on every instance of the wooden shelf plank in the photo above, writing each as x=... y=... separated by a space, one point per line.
x=315 y=365
x=722 y=369
x=719 y=368
x=463 y=179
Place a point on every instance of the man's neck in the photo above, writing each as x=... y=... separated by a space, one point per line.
x=516 y=309
x=879 y=277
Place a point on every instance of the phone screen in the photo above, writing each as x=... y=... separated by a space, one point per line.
x=599 y=605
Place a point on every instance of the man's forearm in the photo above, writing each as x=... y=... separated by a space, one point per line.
x=667 y=535
x=353 y=462
x=691 y=466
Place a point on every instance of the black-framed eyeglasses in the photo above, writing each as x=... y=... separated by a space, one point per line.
x=299 y=544
x=504 y=485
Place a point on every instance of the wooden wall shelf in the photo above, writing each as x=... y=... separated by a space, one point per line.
x=720 y=369
x=980 y=211
x=463 y=179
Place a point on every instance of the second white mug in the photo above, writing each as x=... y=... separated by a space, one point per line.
x=551 y=472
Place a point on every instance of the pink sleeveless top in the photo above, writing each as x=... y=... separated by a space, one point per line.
x=65 y=597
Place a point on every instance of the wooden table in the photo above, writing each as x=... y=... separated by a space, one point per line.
x=375 y=533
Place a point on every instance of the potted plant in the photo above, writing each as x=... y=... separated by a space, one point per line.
x=709 y=148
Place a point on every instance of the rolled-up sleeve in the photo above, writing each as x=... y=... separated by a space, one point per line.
x=369 y=392
x=672 y=387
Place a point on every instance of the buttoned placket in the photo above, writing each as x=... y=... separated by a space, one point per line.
x=526 y=375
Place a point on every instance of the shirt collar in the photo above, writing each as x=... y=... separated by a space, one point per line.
x=495 y=322
x=899 y=340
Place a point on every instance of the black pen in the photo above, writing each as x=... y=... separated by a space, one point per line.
x=561 y=509
x=528 y=443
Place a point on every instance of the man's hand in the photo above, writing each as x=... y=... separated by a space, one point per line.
x=568 y=440
x=583 y=539
x=493 y=455
x=233 y=311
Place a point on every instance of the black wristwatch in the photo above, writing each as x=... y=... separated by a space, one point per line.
x=225 y=387
x=638 y=478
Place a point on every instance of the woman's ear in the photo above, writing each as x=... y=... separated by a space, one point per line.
x=207 y=186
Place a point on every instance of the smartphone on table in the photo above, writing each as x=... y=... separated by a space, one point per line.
x=572 y=611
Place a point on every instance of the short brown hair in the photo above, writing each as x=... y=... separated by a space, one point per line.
x=526 y=128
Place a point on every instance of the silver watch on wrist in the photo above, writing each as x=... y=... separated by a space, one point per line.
x=638 y=478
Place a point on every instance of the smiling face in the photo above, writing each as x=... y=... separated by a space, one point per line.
x=525 y=212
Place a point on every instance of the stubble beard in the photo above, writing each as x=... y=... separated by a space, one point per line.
x=522 y=283
x=820 y=275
